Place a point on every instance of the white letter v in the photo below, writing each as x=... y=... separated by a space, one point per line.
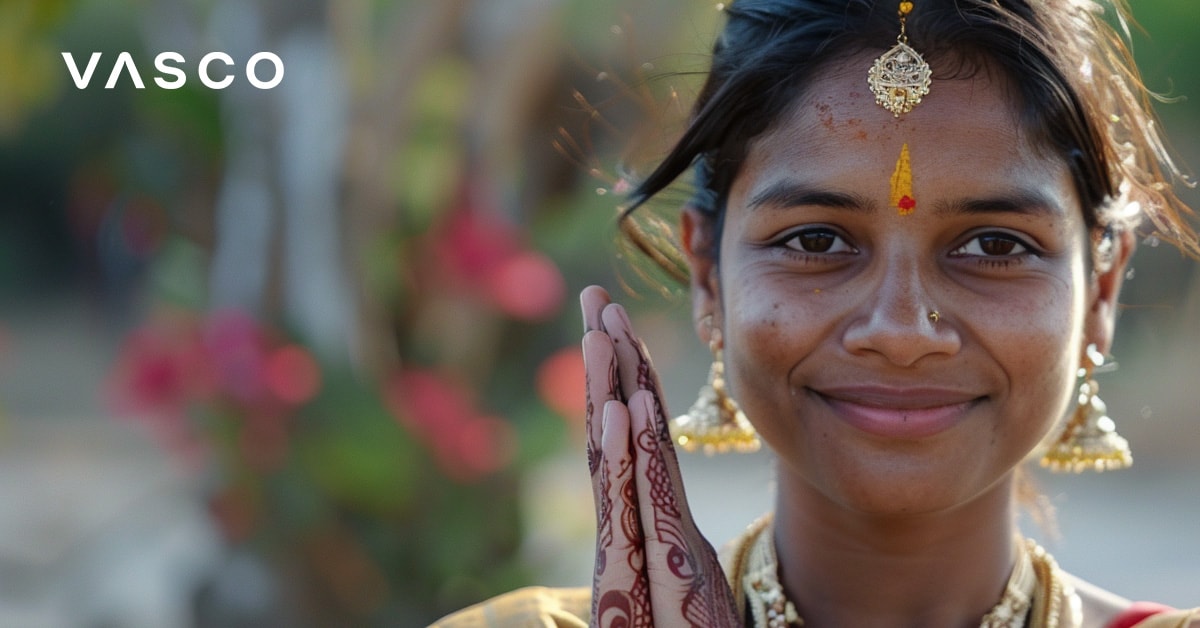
x=81 y=81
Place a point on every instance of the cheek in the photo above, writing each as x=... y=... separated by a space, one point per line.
x=772 y=323
x=1035 y=337
x=770 y=317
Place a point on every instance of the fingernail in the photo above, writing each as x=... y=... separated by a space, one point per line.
x=590 y=303
x=617 y=311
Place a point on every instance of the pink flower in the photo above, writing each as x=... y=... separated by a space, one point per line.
x=527 y=286
x=292 y=375
x=426 y=402
x=560 y=384
x=475 y=448
x=466 y=444
x=182 y=376
x=472 y=243
x=160 y=369
x=237 y=347
x=480 y=251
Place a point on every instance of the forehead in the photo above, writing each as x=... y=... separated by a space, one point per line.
x=969 y=121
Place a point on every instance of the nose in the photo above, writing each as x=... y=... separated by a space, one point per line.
x=896 y=319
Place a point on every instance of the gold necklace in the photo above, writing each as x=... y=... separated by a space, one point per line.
x=1036 y=584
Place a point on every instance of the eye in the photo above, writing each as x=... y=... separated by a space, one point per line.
x=992 y=245
x=818 y=240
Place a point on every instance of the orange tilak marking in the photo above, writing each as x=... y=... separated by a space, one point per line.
x=902 y=194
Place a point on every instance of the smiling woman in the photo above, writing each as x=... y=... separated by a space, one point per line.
x=824 y=297
x=909 y=232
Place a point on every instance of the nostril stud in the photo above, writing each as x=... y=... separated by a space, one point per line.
x=934 y=316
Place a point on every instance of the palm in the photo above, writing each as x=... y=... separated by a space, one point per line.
x=653 y=567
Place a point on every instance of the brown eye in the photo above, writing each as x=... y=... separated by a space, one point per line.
x=996 y=245
x=992 y=245
x=818 y=241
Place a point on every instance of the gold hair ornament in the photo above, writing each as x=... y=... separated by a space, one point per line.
x=1089 y=441
x=715 y=423
x=900 y=78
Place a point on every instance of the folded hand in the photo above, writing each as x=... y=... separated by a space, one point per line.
x=653 y=567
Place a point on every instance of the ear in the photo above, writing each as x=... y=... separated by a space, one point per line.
x=1105 y=286
x=698 y=232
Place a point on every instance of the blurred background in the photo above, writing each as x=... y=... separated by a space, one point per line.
x=309 y=356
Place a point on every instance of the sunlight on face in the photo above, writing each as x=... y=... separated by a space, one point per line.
x=826 y=287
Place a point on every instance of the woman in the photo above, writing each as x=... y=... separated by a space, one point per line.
x=910 y=228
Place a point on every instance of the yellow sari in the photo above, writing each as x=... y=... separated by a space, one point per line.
x=542 y=607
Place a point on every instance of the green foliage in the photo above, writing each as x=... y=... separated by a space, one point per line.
x=387 y=491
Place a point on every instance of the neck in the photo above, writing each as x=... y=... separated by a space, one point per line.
x=846 y=568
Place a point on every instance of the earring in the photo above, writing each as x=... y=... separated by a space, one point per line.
x=715 y=423
x=1089 y=440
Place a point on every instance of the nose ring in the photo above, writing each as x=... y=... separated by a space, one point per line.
x=935 y=316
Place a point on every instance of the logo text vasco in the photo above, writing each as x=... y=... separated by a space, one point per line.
x=263 y=70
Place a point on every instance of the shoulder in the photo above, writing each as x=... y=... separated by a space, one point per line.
x=531 y=606
x=1102 y=609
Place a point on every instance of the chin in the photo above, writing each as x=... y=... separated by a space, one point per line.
x=905 y=483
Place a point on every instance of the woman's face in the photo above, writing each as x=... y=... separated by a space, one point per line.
x=824 y=292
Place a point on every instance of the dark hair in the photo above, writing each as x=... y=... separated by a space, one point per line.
x=1077 y=92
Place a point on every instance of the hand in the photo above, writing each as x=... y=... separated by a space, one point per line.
x=653 y=567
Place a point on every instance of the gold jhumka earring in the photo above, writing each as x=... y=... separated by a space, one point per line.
x=1089 y=441
x=900 y=78
x=715 y=423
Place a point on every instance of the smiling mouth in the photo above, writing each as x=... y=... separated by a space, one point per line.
x=898 y=414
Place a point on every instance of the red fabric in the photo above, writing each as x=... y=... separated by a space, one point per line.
x=1133 y=615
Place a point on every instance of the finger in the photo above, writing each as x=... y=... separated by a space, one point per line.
x=592 y=301
x=669 y=563
x=633 y=371
x=600 y=368
x=685 y=576
x=620 y=595
x=660 y=422
x=636 y=372
x=635 y=367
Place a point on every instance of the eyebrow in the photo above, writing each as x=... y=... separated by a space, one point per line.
x=784 y=193
x=1020 y=201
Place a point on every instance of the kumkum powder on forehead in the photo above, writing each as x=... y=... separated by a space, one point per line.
x=902 y=192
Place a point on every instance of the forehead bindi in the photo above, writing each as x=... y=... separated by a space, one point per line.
x=837 y=102
x=966 y=128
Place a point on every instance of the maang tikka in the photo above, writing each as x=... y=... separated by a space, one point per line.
x=900 y=78
x=1089 y=440
x=715 y=423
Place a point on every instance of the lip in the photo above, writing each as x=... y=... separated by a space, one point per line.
x=898 y=413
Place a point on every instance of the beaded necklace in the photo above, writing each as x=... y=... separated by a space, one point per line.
x=1036 y=596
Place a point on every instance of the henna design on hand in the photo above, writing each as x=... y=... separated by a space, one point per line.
x=620 y=609
x=592 y=404
x=604 y=530
x=649 y=555
x=616 y=608
x=592 y=448
x=612 y=388
x=688 y=556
